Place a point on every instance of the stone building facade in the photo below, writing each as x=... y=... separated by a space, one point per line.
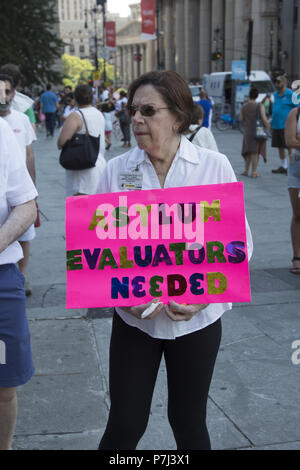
x=78 y=24
x=289 y=37
x=190 y=31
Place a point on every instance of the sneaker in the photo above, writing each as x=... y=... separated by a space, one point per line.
x=280 y=170
x=28 y=290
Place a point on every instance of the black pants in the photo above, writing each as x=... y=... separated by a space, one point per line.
x=125 y=128
x=134 y=363
x=50 y=122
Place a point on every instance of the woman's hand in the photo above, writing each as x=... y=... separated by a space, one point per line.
x=137 y=310
x=180 y=312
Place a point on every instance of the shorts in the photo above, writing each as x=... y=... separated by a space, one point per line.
x=293 y=179
x=28 y=235
x=278 y=139
x=107 y=132
x=16 y=365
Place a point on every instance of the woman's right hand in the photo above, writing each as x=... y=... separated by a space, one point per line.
x=137 y=310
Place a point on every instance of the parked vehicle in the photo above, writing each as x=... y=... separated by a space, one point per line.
x=219 y=86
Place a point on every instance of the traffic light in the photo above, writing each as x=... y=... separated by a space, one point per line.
x=216 y=55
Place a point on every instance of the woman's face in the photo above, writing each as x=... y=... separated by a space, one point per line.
x=71 y=102
x=153 y=133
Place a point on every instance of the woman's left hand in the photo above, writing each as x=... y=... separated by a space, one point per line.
x=180 y=312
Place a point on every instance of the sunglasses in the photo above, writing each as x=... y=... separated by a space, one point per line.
x=146 y=110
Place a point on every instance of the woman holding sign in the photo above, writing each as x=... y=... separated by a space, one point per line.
x=160 y=105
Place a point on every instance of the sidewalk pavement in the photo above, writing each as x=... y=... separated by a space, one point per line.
x=254 y=396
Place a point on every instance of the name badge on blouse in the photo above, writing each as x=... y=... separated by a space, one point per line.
x=132 y=181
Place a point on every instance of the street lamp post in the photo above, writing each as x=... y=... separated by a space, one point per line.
x=93 y=11
x=271 y=46
x=96 y=38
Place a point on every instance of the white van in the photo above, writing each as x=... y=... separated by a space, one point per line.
x=219 y=86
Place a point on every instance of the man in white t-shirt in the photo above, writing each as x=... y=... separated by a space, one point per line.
x=25 y=135
x=17 y=213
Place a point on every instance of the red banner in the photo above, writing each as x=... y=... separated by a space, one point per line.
x=110 y=33
x=148 y=19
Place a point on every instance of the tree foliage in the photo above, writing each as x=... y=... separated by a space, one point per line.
x=76 y=70
x=28 y=39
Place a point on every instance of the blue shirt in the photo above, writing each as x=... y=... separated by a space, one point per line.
x=206 y=105
x=48 y=99
x=281 y=108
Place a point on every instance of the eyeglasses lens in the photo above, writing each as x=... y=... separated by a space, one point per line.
x=145 y=110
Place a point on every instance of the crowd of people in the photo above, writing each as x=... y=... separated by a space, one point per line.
x=170 y=131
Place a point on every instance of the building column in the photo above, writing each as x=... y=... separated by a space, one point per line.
x=205 y=37
x=143 y=63
x=240 y=31
x=191 y=43
x=127 y=76
x=169 y=36
x=179 y=58
x=120 y=62
x=259 y=45
x=132 y=63
x=229 y=33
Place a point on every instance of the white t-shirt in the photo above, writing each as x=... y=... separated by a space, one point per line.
x=22 y=129
x=104 y=95
x=109 y=120
x=16 y=186
x=85 y=181
x=119 y=103
x=192 y=166
x=68 y=110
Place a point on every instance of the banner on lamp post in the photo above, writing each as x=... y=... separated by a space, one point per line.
x=110 y=34
x=148 y=19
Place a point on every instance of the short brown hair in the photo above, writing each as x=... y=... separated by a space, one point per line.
x=83 y=95
x=173 y=89
x=198 y=113
x=14 y=71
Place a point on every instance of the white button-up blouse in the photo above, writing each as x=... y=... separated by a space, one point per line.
x=192 y=166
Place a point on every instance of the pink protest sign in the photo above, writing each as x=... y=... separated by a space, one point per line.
x=185 y=244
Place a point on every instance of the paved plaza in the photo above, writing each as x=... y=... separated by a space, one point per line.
x=254 y=396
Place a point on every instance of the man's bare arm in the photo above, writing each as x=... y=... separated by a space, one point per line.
x=18 y=221
x=30 y=162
